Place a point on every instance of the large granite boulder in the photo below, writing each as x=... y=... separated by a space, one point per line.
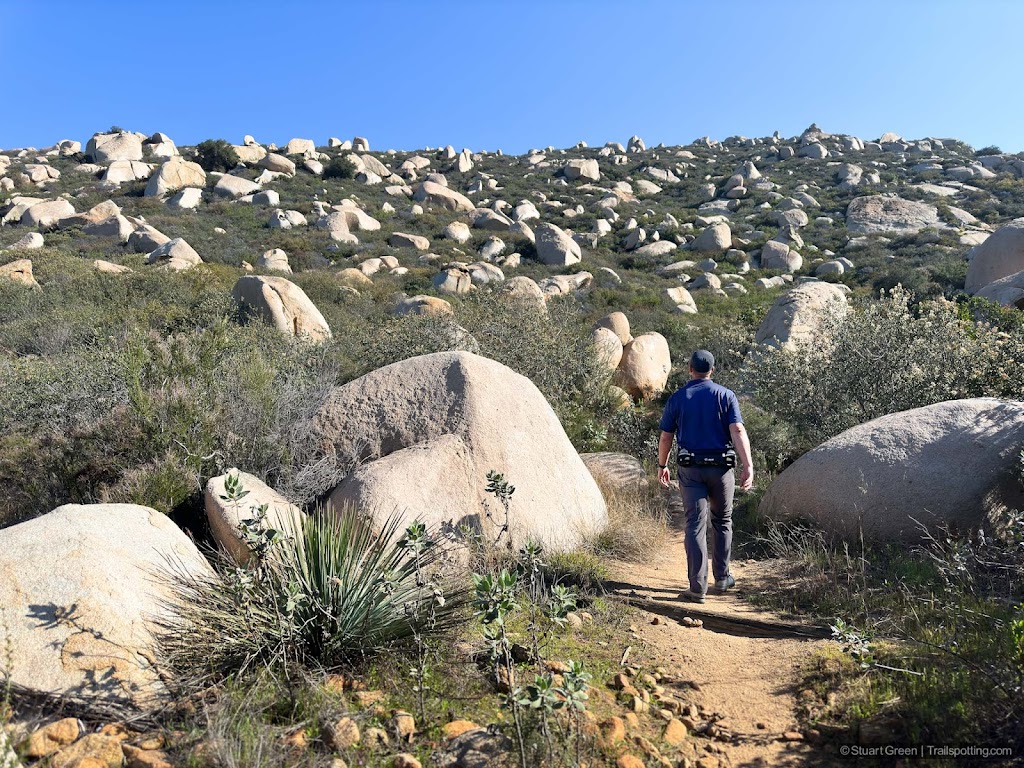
x=878 y=214
x=798 y=315
x=716 y=237
x=111 y=147
x=525 y=292
x=555 y=247
x=779 y=256
x=645 y=366
x=80 y=590
x=422 y=434
x=177 y=173
x=176 y=255
x=435 y=194
x=588 y=170
x=235 y=186
x=618 y=323
x=18 y=271
x=1008 y=291
x=950 y=463
x=283 y=304
x=607 y=347
x=1001 y=255
x=47 y=214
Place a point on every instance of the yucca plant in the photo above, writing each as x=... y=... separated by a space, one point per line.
x=330 y=589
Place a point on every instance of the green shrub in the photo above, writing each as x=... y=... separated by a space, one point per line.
x=335 y=588
x=885 y=356
x=147 y=419
x=216 y=155
x=340 y=167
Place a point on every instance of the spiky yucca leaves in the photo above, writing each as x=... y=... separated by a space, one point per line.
x=331 y=589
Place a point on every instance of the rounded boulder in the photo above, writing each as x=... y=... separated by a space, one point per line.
x=1001 y=255
x=226 y=517
x=798 y=315
x=282 y=304
x=645 y=366
x=618 y=323
x=608 y=347
x=951 y=463
x=423 y=434
x=80 y=590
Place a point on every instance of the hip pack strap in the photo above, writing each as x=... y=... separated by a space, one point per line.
x=726 y=458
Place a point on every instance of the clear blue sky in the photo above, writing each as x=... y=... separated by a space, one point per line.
x=489 y=74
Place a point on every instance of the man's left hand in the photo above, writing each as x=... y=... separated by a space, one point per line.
x=663 y=477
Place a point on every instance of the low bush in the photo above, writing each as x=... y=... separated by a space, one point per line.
x=147 y=420
x=885 y=356
x=340 y=167
x=333 y=589
x=216 y=155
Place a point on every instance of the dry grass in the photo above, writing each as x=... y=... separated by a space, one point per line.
x=637 y=521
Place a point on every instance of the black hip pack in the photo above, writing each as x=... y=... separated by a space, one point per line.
x=726 y=458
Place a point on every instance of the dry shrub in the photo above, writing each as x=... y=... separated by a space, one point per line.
x=637 y=521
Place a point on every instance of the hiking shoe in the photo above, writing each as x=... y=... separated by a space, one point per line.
x=691 y=596
x=721 y=585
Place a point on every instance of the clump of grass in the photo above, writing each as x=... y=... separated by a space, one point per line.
x=244 y=728
x=933 y=635
x=329 y=591
x=637 y=522
x=581 y=570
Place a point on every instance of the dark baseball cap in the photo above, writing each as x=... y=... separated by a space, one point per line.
x=702 y=361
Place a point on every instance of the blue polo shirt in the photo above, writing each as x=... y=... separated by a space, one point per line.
x=700 y=414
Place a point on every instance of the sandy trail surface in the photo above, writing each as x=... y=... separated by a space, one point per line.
x=744 y=665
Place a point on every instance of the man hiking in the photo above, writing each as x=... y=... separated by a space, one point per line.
x=704 y=419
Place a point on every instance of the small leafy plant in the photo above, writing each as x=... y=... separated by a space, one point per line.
x=853 y=642
x=500 y=598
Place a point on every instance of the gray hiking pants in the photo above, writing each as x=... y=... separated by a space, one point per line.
x=707 y=489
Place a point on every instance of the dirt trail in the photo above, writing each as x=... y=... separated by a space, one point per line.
x=745 y=662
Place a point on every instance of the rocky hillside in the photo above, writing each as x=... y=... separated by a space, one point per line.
x=309 y=325
x=724 y=244
x=719 y=218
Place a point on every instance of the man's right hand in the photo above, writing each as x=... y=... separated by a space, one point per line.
x=747 y=478
x=663 y=477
